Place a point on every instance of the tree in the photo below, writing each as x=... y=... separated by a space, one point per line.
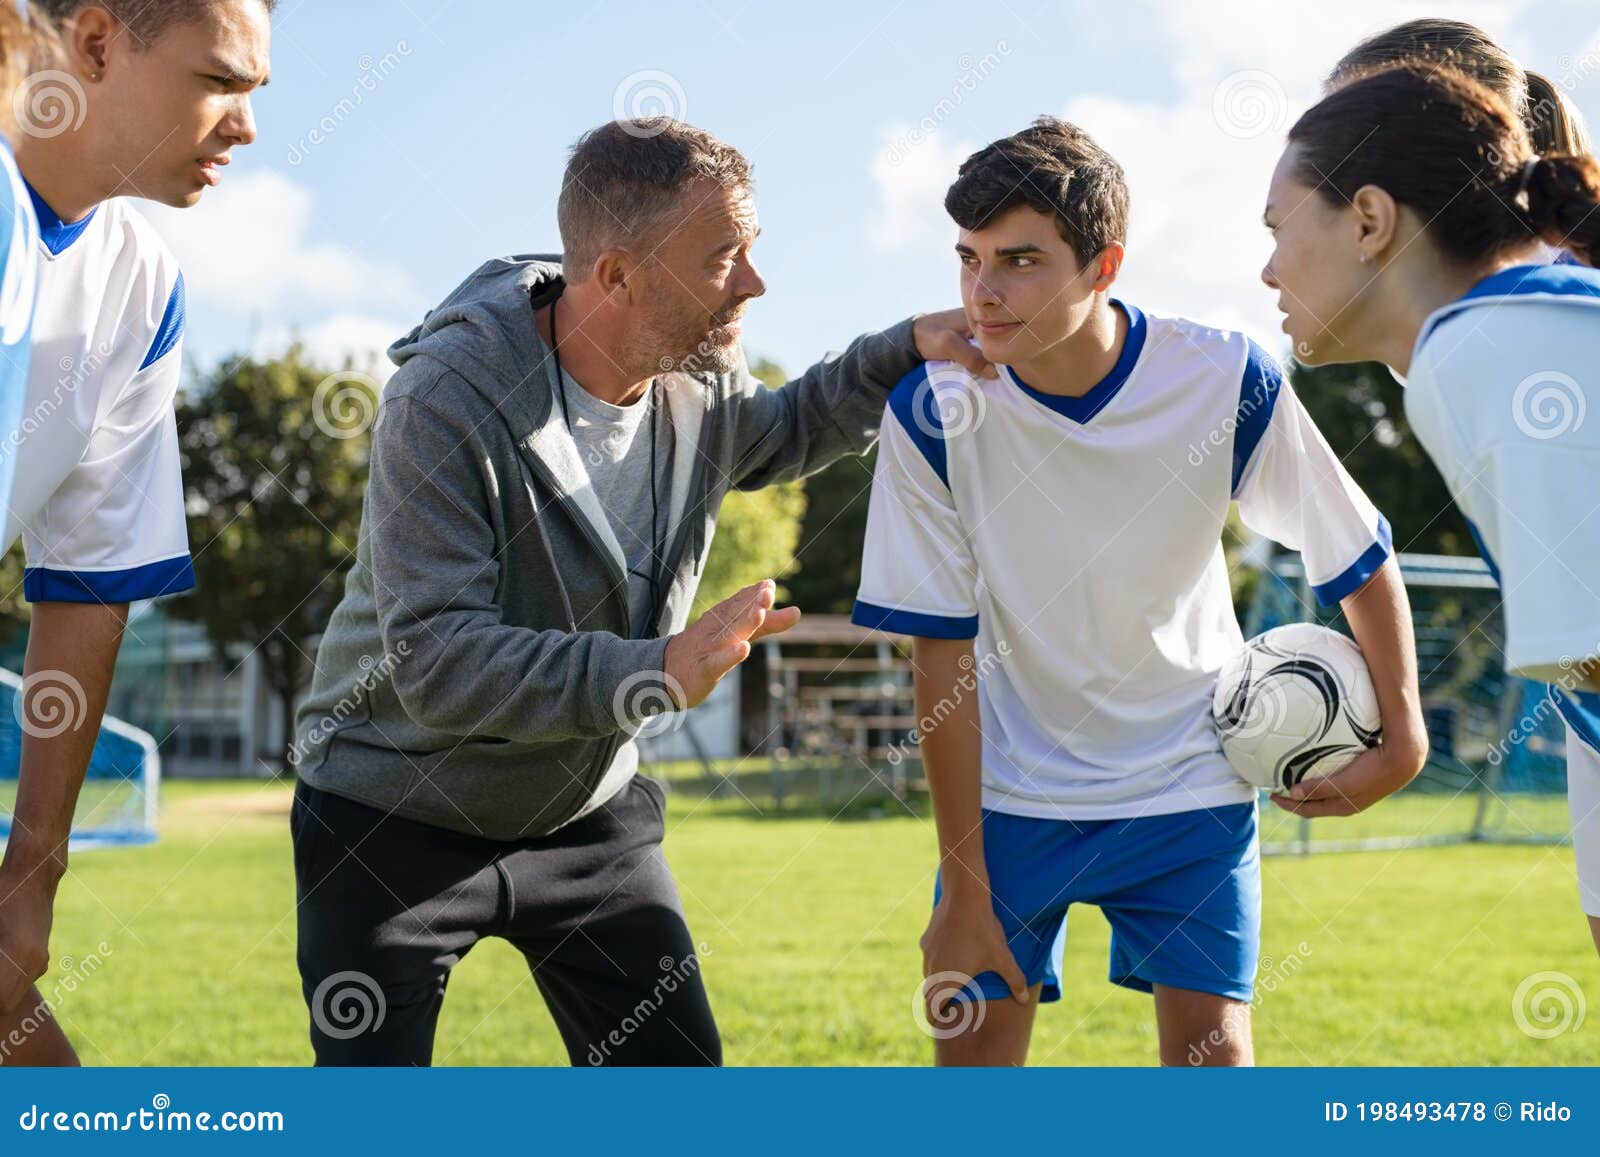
x=828 y=560
x=824 y=556
x=14 y=614
x=1360 y=409
x=756 y=531
x=275 y=456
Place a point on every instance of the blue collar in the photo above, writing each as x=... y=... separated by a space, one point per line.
x=53 y=231
x=1555 y=280
x=1084 y=407
x=1564 y=279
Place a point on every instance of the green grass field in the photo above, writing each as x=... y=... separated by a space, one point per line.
x=809 y=929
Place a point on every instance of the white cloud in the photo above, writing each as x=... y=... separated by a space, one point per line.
x=361 y=339
x=911 y=180
x=1197 y=165
x=248 y=250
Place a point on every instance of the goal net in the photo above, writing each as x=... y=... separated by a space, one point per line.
x=1497 y=761
x=118 y=803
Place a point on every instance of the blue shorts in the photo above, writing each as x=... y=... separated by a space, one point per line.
x=1181 y=892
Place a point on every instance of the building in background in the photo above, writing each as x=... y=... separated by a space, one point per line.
x=216 y=717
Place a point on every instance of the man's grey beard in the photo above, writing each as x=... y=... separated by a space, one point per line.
x=710 y=353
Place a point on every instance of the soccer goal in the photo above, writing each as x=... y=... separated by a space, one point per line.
x=117 y=806
x=1497 y=763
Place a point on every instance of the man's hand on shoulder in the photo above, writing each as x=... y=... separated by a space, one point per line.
x=946 y=337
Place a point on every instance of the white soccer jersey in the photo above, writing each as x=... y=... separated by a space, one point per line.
x=98 y=498
x=1501 y=386
x=1079 y=541
x=19 y=278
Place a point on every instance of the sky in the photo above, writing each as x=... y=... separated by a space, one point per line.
x=403 y=142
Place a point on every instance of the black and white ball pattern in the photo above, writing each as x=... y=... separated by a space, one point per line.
x=1296 y=703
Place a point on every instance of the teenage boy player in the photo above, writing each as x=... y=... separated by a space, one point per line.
x=1056 y=517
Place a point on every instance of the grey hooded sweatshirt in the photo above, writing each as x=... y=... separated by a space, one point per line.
x=479 y=673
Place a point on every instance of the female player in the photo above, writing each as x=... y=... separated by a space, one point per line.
x=1411 y=214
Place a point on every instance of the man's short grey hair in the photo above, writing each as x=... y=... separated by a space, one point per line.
x=625 y=182
x=145 y=20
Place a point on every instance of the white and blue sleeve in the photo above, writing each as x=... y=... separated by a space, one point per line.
x=918 y=575
x=1291 y=486
x=114 y=530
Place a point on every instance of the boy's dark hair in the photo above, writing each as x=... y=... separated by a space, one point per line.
x=146 y=20
x=1055 y=168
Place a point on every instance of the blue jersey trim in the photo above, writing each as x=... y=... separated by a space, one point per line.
x=912 y=401
x=1566 y=280
x=1082 y=409
x=53 y=231
x=1358 y=572
x=1258 y=398
x=1556 y=280
x=171 y=326
x=170 y=576
x=915 y=623
x=1581 y=710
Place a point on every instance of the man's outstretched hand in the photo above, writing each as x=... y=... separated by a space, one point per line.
x=719 y=640
x=946 y=337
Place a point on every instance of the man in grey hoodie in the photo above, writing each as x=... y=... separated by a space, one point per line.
x=547 y=468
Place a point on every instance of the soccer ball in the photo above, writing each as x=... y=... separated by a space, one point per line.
x=1297 y=703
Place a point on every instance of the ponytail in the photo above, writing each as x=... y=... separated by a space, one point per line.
x=1561 y=196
